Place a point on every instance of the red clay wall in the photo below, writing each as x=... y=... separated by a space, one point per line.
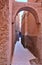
x=32 y=26
x=23 y=25
x=34 y=36
x=4 y=31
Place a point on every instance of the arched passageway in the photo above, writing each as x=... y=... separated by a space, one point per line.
x=25 y=8
x=8 y=11
x=30 y=9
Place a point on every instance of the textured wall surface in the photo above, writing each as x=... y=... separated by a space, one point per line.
x=33 y=40
x=3 y=31
x=6 y=29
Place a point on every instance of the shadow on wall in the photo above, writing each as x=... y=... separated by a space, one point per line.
x=29 y=42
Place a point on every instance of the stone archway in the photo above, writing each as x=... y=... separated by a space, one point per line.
x=30 y=9
x=7 y=16
x=16 y=8
x=26 y=7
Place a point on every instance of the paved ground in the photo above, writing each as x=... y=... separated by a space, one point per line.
x=21 y=55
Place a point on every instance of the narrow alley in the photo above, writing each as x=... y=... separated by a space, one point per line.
x=21 y=55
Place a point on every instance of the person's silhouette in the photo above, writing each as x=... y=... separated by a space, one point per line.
x=20 y=35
